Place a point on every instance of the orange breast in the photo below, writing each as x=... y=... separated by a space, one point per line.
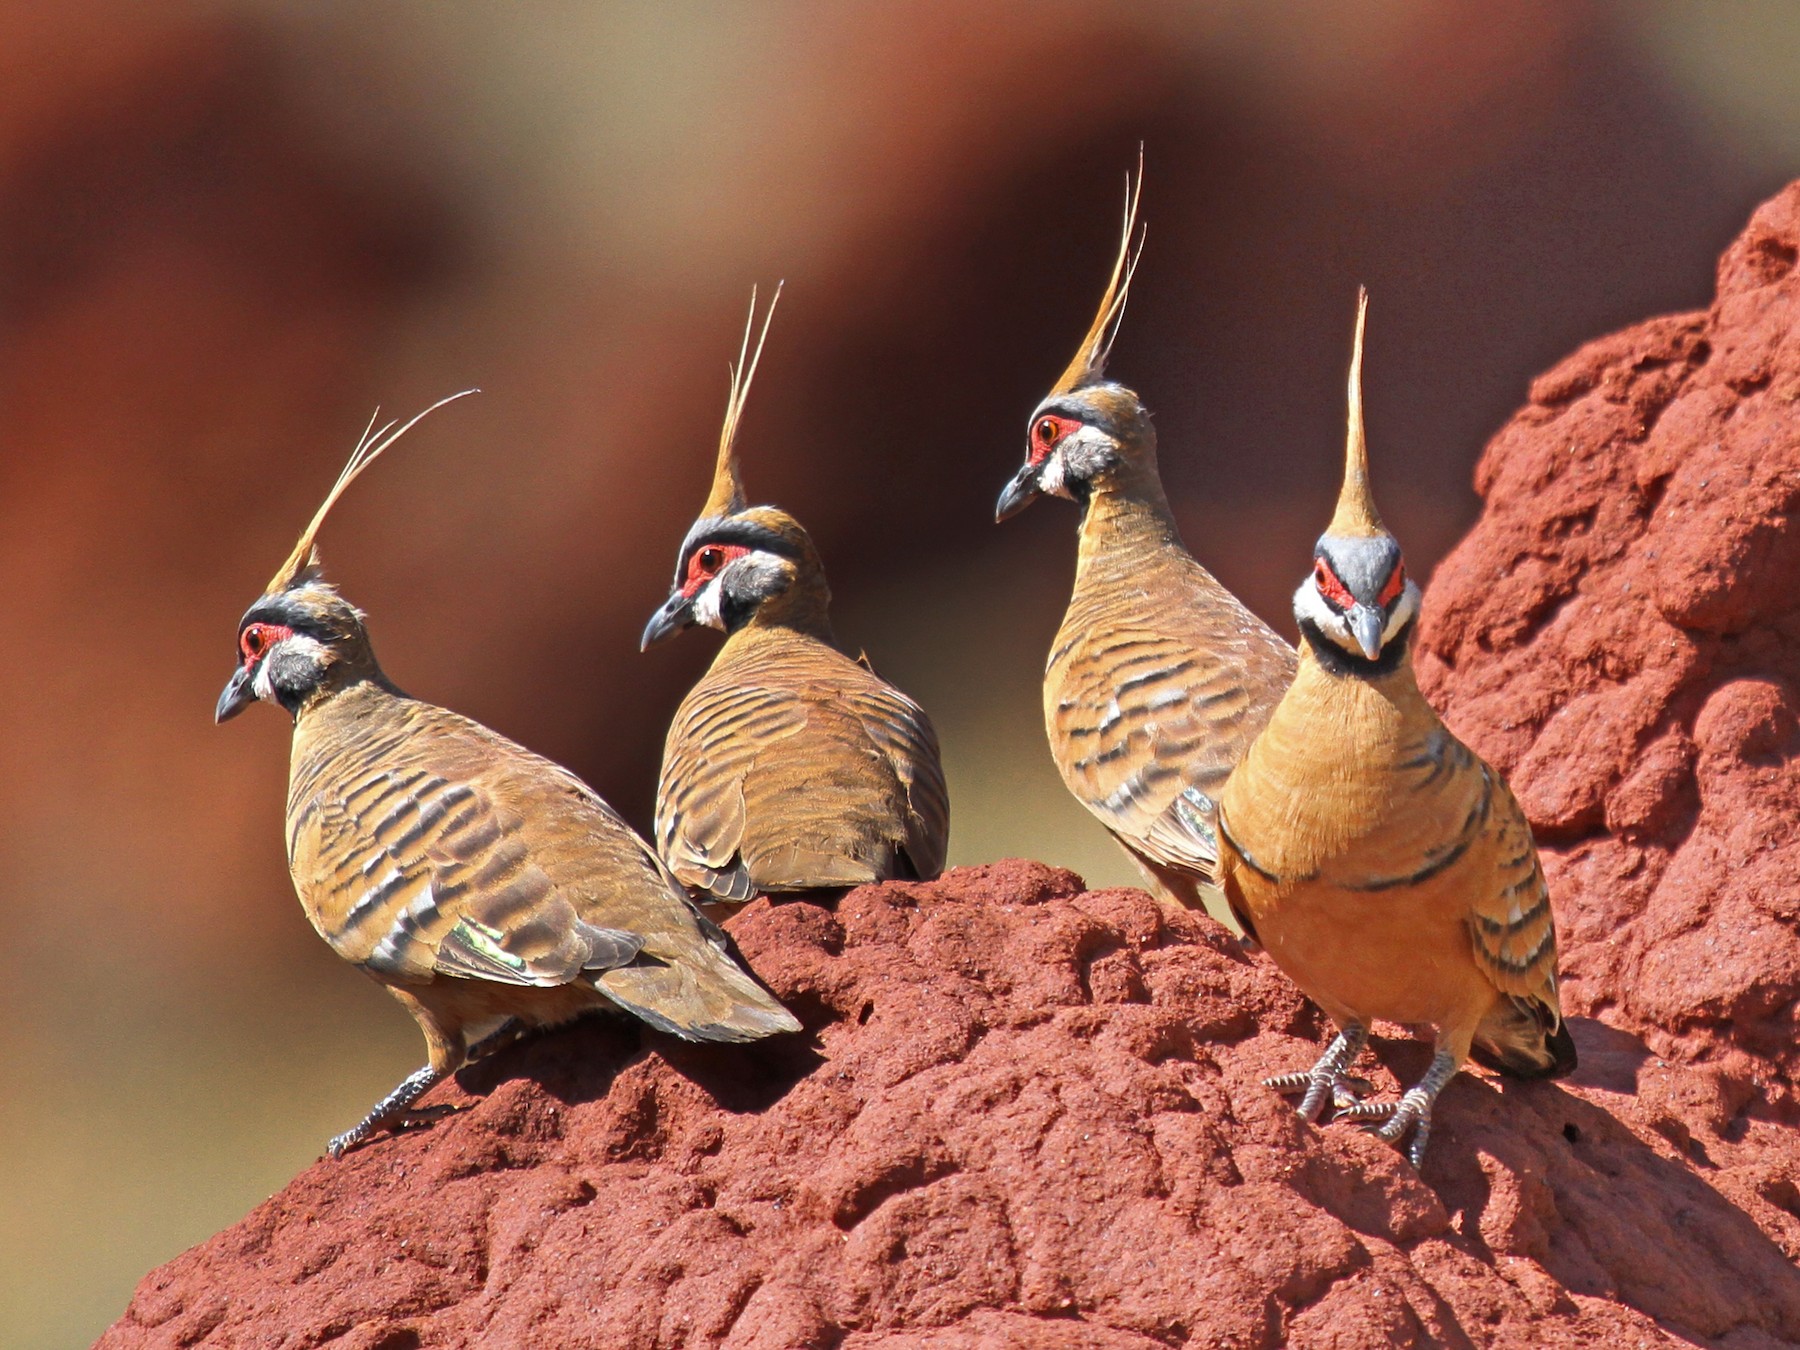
x=1372 y=955
x=1354 y=838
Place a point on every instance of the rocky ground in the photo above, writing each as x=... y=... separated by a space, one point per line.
x=1025 y=1114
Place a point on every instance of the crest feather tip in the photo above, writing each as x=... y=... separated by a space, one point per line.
x=1089 y=364
x=303 y=562
x=1356 y=515
x=727 y=494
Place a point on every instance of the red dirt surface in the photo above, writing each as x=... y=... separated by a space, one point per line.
x=1029 y=1115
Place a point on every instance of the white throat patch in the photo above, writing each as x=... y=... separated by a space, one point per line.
x=706 y=603
x=1310 y=606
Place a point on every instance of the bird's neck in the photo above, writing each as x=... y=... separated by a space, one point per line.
x=349 y=689
x=1394 y=661
x=1373 y=703
x=1328 y=765
x=803 y=608
x=361 y=716
x=756 y=643
x=1124 y=523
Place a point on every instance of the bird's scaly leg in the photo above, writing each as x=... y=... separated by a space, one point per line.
x=389 y=1108
x=1325 y=1081
x=1412 y=1110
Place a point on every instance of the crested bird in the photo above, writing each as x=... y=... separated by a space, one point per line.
x=488 y=889
x=1159 y=677
x=789 y=766
x=1383 y=865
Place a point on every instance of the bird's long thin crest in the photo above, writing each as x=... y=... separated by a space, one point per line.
x=1356 y=515
x=727 y=496
x=369 y=448
x=1089 y=365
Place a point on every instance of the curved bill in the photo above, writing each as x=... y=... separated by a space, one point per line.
x=1018 y=494
x=1366 y=624
x=238 y=695
x=677 y=613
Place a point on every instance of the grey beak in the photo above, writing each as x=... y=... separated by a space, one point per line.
x=238 y=695
x=1019 y=494
x=677 y=613
x=1366 y=624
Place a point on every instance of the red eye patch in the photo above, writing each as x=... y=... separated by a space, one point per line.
x=707 y=562
x=1045 y=433
x=1329 y=586
x=1395 y=584
x=257 y=638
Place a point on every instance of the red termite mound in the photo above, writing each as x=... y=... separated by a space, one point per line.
x=1030 y=1115
x=1621 y=635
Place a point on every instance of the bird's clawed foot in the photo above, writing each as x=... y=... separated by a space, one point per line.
x=1326 y=1081
x=1344 y=1090
x=1391 y=1120
x=390 y=1110
x=342 y=1143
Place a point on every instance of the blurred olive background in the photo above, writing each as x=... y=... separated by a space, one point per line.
x=230 y=230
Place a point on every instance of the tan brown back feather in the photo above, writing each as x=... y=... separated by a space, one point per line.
x=790 y=766
x=1158 y=681
x=427 y=848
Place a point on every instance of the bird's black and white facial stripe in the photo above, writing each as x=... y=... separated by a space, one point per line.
x=1357 y=601
x=294 y=667
x=1073 y=439
x=728 y=599
x=287 y=645
x=728 y=567
x=727 y=531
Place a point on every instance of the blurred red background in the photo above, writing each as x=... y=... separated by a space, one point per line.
x=229 y=231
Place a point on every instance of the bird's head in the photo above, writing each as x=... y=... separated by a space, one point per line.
x=1358 y=599
x=741 y=562
x=292 y=643
x=734 y=567
x=1078 y=441
x=301 y=637
x=1089 y=431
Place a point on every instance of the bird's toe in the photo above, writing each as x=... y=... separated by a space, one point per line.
x=1416 y=1153
x=1322 y=1088
x=1391 y=1121
x=1393 y=1128
x=1289 y=1082
x=1369 y=1111
x=341 y=1144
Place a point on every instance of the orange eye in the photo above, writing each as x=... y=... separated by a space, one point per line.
x=256 y=640
x=704 y=564
x=1046 y=430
